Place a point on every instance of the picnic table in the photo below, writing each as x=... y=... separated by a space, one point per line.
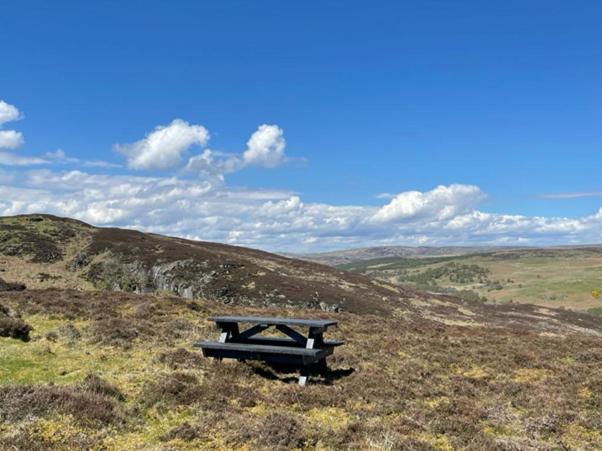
x=306 y=350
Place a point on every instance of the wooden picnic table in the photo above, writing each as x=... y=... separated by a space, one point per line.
x=306 y=350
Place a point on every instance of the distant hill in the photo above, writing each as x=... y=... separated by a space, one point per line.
x=336 y=258
x=566 y=277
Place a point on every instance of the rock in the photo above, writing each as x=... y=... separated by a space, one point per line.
x=330 y=307
x=222 y=292
x=79 y=261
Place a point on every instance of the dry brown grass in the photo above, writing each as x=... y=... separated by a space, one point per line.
x=398 y=383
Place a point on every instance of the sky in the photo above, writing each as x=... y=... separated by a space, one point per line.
x=307 y=126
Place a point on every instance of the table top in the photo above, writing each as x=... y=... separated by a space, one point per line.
x=274 y=321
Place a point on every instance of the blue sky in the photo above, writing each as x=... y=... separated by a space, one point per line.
x=366 y=98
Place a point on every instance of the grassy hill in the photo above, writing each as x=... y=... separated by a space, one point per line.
x=97 y=326
x=44 y=251
x=559 y=277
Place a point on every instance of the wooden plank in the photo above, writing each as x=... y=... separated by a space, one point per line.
x=244 y=335
x=284 y=341
x=301 y=339
x=277 y=354
x=259 y=348
x=275 y=321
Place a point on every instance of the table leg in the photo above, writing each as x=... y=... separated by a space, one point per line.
x=322 y=367
x=304 y=376
x=229 y=331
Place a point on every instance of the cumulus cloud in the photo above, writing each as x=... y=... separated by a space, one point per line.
x=265 y=149
x=8 y=113
x=11 y=139
x=163 y=147
x=281 y=220
x=443 y=202
x=208 y=209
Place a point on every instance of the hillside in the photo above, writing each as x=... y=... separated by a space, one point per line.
x=43 y=251
x=116 y=371
x=90 y=359
x=551 y=277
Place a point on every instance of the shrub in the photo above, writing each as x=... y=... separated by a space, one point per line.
x=180 y=358
x=12 y=326
x=114 y=332
x=184 y=432
x=7 y=286
x=173 y=389
x=94 y=384
x=20 y=401
x=280 y=431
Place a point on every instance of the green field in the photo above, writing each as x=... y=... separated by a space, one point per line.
x=550 y=277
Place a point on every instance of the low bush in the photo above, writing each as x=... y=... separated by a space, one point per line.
x=12 y=326
x=94 y=384
x=20 y=401
x=7 y=286
x=173 y=389
x=180 y=358
x=184 y=432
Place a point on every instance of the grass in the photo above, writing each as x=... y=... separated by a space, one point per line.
x=409 y=383
x=553 y=278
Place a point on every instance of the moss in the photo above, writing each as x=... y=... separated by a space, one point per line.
x=526 y=375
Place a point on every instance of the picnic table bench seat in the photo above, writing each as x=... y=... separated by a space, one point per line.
x=269 y=353
x=308 y=351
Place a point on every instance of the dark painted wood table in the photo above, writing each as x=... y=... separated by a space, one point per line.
x=306 y=350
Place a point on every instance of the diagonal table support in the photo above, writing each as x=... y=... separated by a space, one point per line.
x=292 y=333
x=252 y=331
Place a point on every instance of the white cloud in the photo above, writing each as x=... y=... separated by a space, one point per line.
x=9 y=159
x=59 y=156
x=8 y=113
x=11 y=139
x=214 y=164
x=575 y=195
x=443 y=202
x=265 y=147
x=163 y=147
x=211 y=210
x=280 y=220
x=384 y=196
